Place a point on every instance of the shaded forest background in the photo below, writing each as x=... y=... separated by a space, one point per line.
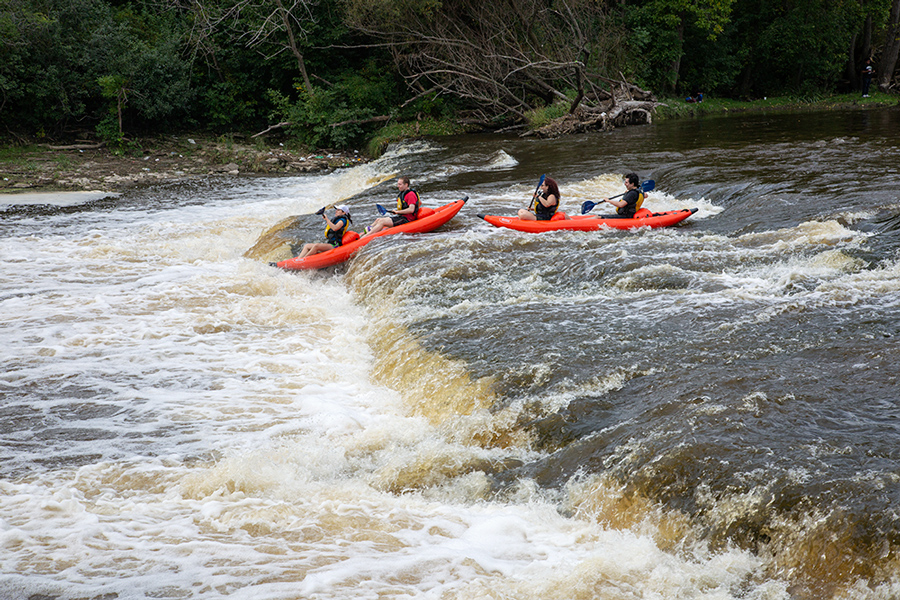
x=330 y=73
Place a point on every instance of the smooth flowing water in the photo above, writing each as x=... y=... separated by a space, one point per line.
x=708 y=411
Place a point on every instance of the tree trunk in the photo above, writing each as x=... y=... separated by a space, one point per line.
x=676 y=64
x=891 y=50
x=293 y=43
x=866 y=51
x=120 y=103
x=579 y=79
x=851 y=71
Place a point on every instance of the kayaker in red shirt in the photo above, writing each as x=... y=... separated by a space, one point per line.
x=408 y=205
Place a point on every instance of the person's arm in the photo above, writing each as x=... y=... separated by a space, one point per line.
x=631 y=196
x=411 y=208
x=333 y=226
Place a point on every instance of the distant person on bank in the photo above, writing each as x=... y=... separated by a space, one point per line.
x=868 y=72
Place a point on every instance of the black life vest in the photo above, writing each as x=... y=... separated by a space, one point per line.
x=629 y=209
x=541 y=212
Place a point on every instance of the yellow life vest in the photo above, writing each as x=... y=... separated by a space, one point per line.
x=401 y=204
x=333 y=236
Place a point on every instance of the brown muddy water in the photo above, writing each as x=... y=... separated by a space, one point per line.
x=706 y=411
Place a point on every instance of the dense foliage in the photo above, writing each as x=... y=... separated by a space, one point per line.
x=331 y=72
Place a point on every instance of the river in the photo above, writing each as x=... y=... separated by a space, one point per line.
x=708 y=411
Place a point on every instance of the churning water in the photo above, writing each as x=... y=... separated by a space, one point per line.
x=708 y=411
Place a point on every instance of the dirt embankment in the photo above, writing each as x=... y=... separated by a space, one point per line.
x=84 y=166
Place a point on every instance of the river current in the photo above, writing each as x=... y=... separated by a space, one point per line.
x=708 y=411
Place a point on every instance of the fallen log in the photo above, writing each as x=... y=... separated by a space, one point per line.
x=75 y=146
x=278 y=126
x=361 y=121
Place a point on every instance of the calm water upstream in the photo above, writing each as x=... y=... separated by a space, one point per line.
x=706 y=412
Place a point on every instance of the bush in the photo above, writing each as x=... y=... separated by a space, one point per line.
x=541 y=116
x=340 y=116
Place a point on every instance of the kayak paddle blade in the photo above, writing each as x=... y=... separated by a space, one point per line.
x=540 y=183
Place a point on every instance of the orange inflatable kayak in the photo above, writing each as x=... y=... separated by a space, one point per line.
x=429 y=220
x=642 y=218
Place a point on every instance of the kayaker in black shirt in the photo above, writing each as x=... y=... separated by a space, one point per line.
x=630 y=202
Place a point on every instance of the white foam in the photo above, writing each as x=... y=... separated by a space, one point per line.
x=59 y=199
x=251 y=454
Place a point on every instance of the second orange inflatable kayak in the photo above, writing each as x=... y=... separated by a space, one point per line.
x=429 y=220
x=643 y=218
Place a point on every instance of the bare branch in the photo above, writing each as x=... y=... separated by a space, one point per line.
x=361 y=121
x=417 y=96
x=505 y=56
x=272 y=128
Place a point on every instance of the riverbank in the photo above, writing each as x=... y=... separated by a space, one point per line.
x=678 y=108
x=84 y=166
x=87 y=166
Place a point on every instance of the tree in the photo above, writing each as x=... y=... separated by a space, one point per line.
x=891 y=52
x=667 y=21
x=44 y=61
x=137 y=56
x=61 y=58
x=270 y=27
x=504 y=58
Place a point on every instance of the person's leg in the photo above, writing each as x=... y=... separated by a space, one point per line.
x=378 y=225
x=313 y=248
x=526 y=215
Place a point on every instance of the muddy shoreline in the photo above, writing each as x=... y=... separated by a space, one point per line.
x=87 y=167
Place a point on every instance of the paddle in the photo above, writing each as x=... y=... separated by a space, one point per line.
x=381 y=210
x=588 y=206
x=540 y=183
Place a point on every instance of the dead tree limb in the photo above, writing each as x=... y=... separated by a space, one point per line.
x=417 y=96
x=272 y=128
x=505 y=58
x=362 y=121
x=75 y=146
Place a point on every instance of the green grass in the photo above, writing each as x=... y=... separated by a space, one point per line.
x=675 y=108
x=17 y=153
x=395 y=132
x=539 y=117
